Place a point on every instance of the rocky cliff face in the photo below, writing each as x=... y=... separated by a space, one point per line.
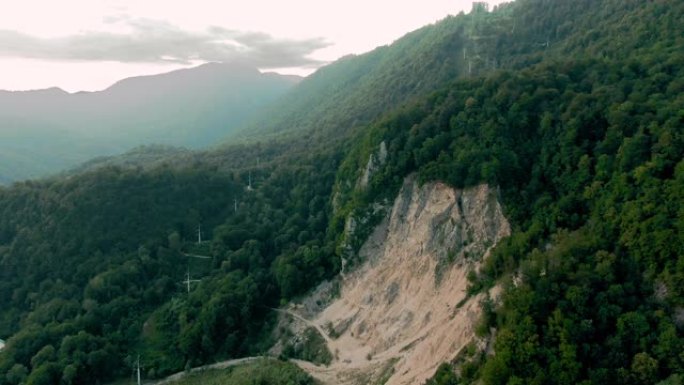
x=376 y=160
x=397 y=314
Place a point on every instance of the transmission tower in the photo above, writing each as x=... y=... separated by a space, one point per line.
x=188 y=281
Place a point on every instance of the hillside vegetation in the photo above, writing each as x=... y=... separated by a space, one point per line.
x=355 y=90
x=577 y=118
x=93 y=263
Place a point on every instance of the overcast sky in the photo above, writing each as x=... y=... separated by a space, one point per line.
x=90 y=44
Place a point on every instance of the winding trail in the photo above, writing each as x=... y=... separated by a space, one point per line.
x=351 y=362
x=340 y=372
x=322 y=373
x=316 y=371
x=219 y=365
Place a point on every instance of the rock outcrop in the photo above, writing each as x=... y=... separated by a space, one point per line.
x=375 y=161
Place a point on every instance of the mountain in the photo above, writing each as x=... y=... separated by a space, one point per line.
x=49 y=130
x=518 y=223
x=357 y=89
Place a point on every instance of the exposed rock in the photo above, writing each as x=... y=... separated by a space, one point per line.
x=321 y=297
x=375 y=161
x=382 y=153
x=390 y=309
x=679 y=316
x=351 y=229
x=392 y=292
x=660 y=291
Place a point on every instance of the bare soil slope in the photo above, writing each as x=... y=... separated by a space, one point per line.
x=397 y=316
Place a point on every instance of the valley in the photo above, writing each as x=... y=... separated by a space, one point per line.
x=495 y=198
x=48 y=131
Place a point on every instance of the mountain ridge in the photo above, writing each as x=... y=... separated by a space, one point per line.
x=357 y=89
x=230 y=67
x=187 y=107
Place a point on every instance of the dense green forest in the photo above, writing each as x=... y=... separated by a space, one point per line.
x=353 y=91
x=575 y=110
x=87 y=261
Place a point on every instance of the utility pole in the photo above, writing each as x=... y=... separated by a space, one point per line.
x=235 y=203
x=249 y=185
x=199 y=233
x=137 y=369
x=188 y=281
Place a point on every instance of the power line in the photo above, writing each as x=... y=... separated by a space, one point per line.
x=197 y=256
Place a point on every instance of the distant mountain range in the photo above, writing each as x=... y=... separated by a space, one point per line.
x=45 y=131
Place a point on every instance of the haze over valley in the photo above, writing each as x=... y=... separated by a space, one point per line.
x=50 y=130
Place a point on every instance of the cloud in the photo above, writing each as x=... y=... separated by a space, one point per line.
x=154 y=41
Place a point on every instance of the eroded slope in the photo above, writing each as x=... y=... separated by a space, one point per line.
x=397 y=315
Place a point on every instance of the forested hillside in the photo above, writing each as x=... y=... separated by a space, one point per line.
x=355 y=90
x=575 y=111
x=87 y=261
x=588 y=153
x=594 y=185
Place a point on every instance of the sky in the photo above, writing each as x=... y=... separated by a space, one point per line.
x=87 y=45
